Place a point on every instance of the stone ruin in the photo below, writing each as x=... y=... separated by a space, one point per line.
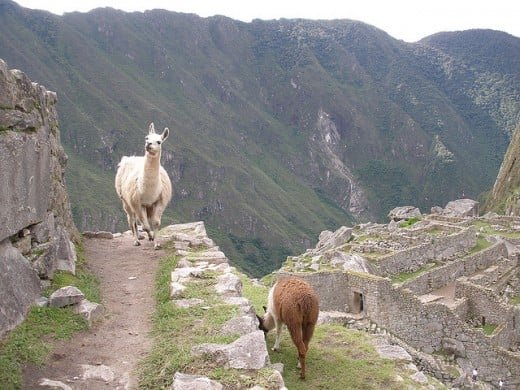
x=431 y=284
x=36 y=227
x=199 y=255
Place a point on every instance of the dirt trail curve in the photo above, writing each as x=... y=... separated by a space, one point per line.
x=104 y=356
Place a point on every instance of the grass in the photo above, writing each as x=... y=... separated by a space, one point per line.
x=515 y=300
x=32 y=341
x=488 y=329
x=409 y=222
x=177 y=330
x=404 y=276
x=481 y=244
x=341 y=359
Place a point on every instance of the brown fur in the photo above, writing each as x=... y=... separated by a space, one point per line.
x=293 y=302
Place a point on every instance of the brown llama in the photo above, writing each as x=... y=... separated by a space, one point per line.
x=292 y=302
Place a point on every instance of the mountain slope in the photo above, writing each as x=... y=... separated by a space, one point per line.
x=505 y=195
x=279 y=129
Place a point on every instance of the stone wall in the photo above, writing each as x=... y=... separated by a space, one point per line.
x=36 y=227
x=433 y=327
x=331 y=288
x=413 y=258
x=441 y=276
x=427 y=327
x=485 y=308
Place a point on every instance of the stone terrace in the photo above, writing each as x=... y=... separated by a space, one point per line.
x=432 y=286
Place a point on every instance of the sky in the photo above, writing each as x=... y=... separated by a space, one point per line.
x=408 y=20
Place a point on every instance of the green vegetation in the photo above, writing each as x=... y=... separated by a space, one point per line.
x=31 y=342
x=409 y=222
x=481 y=244
x=488 y=329
x=404 y=276
x=339 y=359
x=515 y=300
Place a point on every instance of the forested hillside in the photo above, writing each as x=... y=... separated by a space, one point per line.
x=279 y=129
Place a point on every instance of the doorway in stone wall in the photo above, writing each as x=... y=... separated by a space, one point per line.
x=358 y=302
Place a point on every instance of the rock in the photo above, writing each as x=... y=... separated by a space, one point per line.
x=23 y=244
x=19 y=287
x=184 y=263
x=65 y=296
x=462 y=208
x=229 y=284
x=404 y=213
x=54 y=384
x=388 y=351
x=453 y=346
x=186 y=303
x=249 y=352
x=176 y=289
x=105 y=235
x=419 y=377
x=330 y=240
x=100 y=372
x=91 y=311
x=240 y=325
x=352 y=262
x=333 y=318
x=194 y=382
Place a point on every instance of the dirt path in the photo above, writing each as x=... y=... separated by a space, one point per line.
x=105 y=356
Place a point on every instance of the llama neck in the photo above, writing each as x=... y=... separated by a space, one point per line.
x=151 y=169
x=269 y=322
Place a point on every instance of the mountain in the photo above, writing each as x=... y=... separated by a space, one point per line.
x=279 y=129
x=505 y=195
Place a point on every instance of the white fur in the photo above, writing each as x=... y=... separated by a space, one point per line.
x=144 y=186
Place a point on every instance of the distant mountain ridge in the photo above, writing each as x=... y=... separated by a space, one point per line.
x=279 y=129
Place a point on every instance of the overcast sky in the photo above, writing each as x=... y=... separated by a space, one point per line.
x=408 y=20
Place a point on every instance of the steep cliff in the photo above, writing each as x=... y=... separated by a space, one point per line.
x=505 y=196
x=36 y=227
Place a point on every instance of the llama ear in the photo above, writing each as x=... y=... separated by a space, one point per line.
x=165 y=133
x=265 y=308
x=151 y=129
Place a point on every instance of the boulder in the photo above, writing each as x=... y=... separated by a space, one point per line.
x=249 y=352
x=66 y=296
x=19 y=289
x=462 y=208
x=404 y=213
x=229 y=285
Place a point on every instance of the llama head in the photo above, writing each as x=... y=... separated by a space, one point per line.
x=265 y=323
x=153 y=140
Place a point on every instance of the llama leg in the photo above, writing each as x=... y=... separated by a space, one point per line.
x=155 y=221
x=132 y=223
x=279 y=326
x=143 y=217
x=308 y=331
x=297 y=338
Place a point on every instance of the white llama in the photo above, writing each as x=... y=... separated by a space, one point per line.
x=144 y=186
